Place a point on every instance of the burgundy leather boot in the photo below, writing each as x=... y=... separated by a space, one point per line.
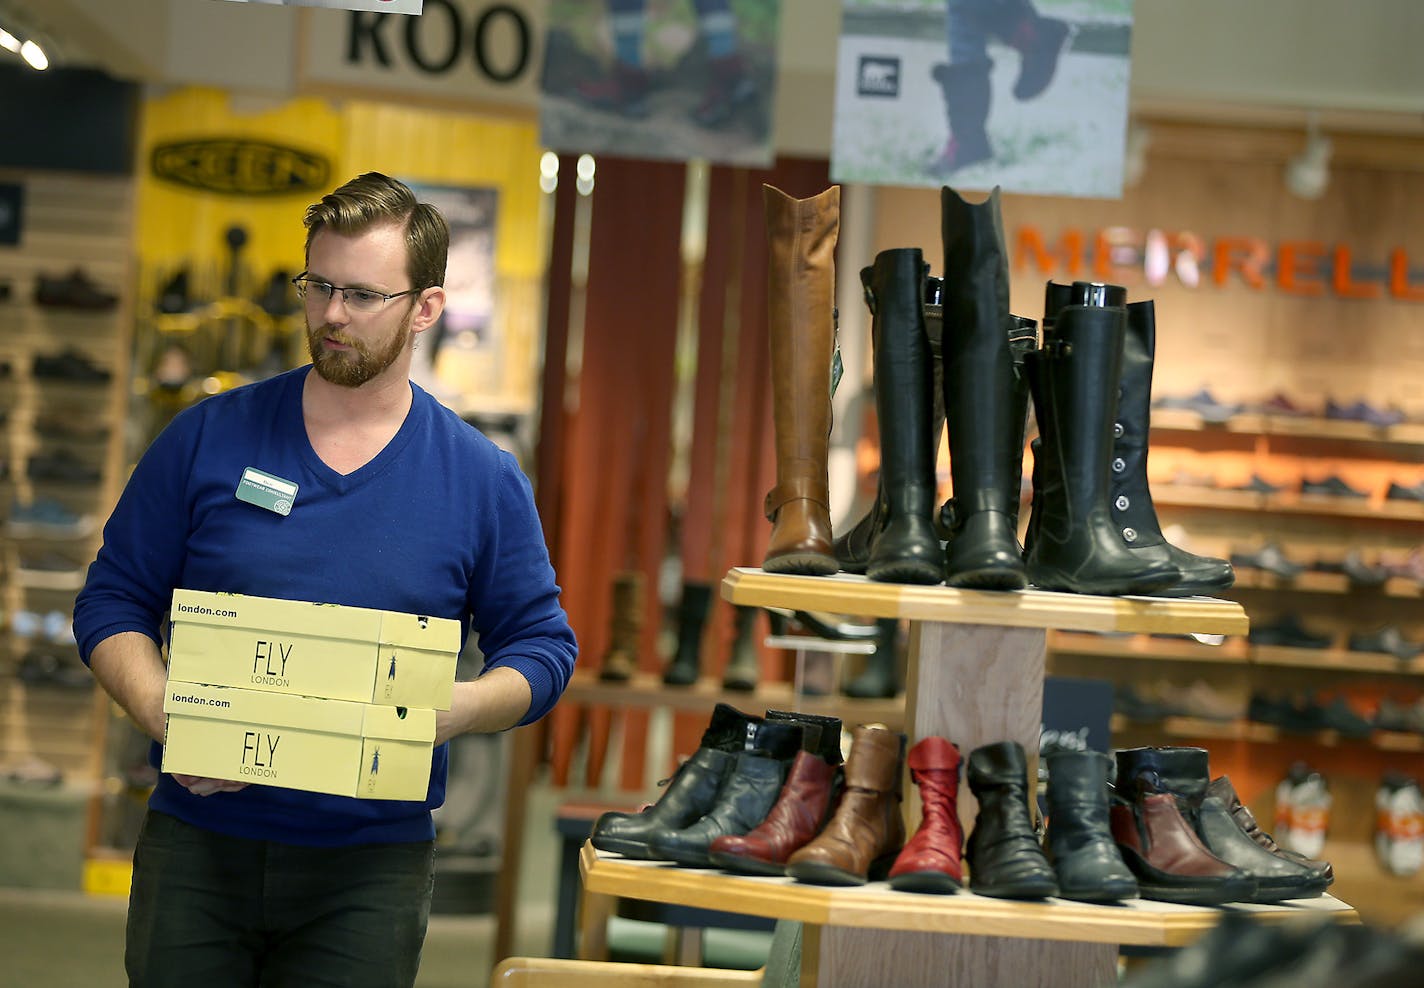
x=1168 y=858
x=866 y=831
x=930 y=862
x=796 y=817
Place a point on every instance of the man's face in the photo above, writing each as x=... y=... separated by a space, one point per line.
x=349 y=348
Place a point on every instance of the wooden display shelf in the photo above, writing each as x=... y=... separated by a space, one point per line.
x=1038 y=609
x=647 y=690
x=877 y=906
x=1287 y=502
x=1328 y=583
x=1248 y=730
x=1232 y=651
x=1337 y=659
x=1405 y=434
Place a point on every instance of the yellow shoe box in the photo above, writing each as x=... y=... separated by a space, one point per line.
x=322 y=650
x=298 y=742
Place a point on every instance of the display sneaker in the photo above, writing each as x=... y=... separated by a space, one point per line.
x=1200 y=700
x=1362 y=411
x=75 y=290
x=70 y=365
x=1310 y=803
x=1405 y=492
x=1399 y=824
x=62 y=467
x=47 y=518
x=49 y=571
x=1331 y=487
x=72 y=423
x=49 y=665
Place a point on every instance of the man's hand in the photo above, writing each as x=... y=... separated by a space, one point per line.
x=199 y=786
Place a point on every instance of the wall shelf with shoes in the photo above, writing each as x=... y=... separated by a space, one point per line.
x=1401 y=438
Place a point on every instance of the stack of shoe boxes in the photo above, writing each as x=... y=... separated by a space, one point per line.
x=318 y=697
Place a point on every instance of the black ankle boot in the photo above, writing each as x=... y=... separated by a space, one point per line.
x=1005 y=858
x=879 y=679
x=1075 y=546
x=690 y=792
x=686 y=663
x=1080 y=842
x=746 y=795
x=743 y=667
x=979 y=388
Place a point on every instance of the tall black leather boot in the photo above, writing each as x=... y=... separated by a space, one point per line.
x=1075 y=545
x=906 y=549
x=979 y=386
x=1185 y=774
x=690 y=792
x=879 y=679
x=852 y=548
x=1080 y=841
x=686 y=662
x=743 y=666
x=1133 y=509
x=1004 y=856
x=746 y=795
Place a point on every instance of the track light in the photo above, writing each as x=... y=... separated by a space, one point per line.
x=8 y=41
x=1308 y=173
x=35 y=56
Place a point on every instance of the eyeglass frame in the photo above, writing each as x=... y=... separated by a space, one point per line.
x=302 y=280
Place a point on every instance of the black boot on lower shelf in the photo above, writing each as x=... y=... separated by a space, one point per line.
x=1080 y=842
x=686 y=664
x=747 y=794
x=744 y=666
x=1004 y=856
x=689 y=794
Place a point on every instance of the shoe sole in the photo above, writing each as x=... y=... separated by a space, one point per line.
x=816 y=873
x=905 y=572
x=1042 y=889
x=988 y=579
x=627 y=848
x=1101 y=894
x=802 y=564
x=745 y=865
x=936 y=882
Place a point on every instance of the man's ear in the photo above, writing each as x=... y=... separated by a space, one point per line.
x=428 y=309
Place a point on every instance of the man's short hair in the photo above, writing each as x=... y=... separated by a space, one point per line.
x=372 y=199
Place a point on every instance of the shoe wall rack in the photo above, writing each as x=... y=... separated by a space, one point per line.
x=975 y=676
x=64 y=357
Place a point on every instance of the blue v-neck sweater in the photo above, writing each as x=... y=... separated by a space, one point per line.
x=441 y=522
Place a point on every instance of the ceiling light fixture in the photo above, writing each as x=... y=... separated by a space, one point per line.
x=1308 y=173
x=35 y=56
x=8 y=41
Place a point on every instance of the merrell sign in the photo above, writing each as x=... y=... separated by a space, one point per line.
x=1298 y=267
x=239 y=166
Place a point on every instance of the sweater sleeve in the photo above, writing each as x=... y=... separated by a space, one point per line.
x=515 y=600
x=130 y=584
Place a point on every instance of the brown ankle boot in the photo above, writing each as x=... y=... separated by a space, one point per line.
x=866 y=831
x=801 y=240
x=621 y=659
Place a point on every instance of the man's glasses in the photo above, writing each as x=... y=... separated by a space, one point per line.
x=356 y=299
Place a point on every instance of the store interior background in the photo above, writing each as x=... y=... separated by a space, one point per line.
x=626 y=362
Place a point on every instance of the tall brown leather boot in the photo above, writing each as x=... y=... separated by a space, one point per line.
x=621 y=659
x=866 y=831
x=801 y=240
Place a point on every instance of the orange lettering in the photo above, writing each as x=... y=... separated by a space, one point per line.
x=1298 y=267
x=1117 y=252
x=1345 y=287
x=1245 y=254
x=1031 y=247
x=1399 y=285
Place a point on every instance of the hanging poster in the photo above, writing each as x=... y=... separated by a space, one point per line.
x=678 y=79
x=1029 y=95
x=384 y=6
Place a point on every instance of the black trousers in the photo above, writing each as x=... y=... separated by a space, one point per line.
x=227 y=912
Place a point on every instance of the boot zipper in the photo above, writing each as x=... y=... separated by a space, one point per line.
x=750 y=742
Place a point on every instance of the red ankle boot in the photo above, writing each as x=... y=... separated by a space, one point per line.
x=930 y=862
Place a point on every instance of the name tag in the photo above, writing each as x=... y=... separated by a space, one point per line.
x=266 y=491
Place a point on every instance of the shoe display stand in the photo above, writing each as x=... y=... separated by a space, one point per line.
x=65 y=403
x=975 y=676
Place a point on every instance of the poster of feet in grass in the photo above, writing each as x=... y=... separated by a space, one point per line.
x=672 y=79
x=1028 y=95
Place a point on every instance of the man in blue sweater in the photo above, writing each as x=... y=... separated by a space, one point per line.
x=399 y=505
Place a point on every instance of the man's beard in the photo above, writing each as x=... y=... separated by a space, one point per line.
x=354 y=367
